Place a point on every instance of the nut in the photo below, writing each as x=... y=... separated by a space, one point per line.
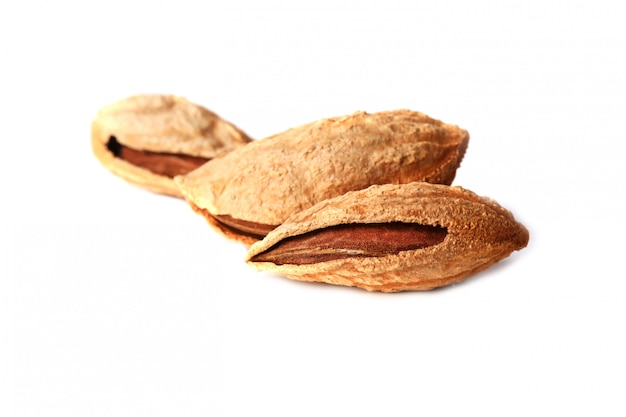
x=254 y=189
x=149 y=139
x=392 y=237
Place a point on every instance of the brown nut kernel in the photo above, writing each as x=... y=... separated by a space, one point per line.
x=439 y=235
x=149 y=139
x=352 y=240
x=265 y=182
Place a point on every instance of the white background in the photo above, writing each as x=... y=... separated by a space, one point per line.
x=118 y=302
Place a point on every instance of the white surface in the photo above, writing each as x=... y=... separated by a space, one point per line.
x=118 y=302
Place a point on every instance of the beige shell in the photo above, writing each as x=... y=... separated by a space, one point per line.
x=479 y=233
x=273 y=178
x=160 y=124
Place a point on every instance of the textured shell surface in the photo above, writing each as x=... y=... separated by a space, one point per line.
x=168 y=123
x=270 y=179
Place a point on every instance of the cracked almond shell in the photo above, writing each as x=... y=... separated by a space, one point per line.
x=267 y=181
x=479 y=233
x=148 y=139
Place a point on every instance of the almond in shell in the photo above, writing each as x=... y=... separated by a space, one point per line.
x=149 y=139
x=250 y=191
x=391 y=238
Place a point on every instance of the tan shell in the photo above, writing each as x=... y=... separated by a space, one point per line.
x=480 y=233
x=164 y=124
x=271 y=179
